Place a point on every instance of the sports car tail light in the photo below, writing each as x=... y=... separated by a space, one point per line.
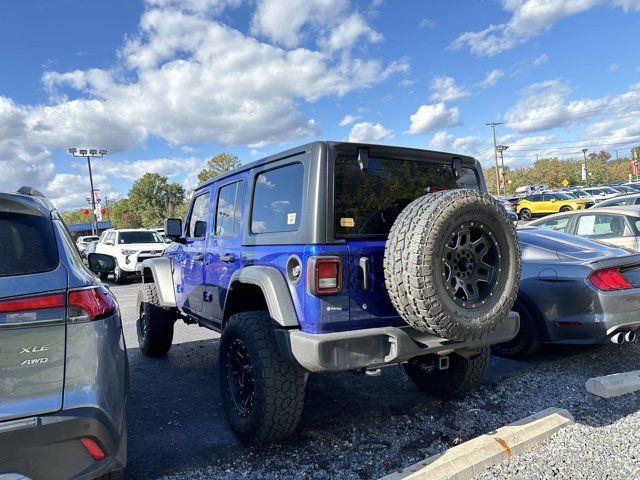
x=90 y=304
x=609 y=279
x=324 y=275
x=93 y=448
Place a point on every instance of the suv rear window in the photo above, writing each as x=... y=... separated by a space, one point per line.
x=368 y=202
x=28 y=244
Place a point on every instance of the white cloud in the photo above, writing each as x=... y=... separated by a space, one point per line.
x=491 y=78
x=447 y=142
x=366 y=132
x=546 y=105
x=290 y=23
x=542 y=59
x=445 y=89
x=613 y=67
x=433 y=117
x=349 y=119
x=528 y=19
x=426 y=24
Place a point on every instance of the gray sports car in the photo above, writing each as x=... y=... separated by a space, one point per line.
x=574 y=291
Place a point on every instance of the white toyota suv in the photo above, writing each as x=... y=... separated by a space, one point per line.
x=129 y=247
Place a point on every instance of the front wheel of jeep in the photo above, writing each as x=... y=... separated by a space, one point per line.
x=155 y=323
x=262 y=394
x=462 y=375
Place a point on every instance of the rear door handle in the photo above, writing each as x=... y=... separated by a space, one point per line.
x=364 y=265
x=229 y=258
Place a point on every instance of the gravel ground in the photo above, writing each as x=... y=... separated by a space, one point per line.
x=365 y=427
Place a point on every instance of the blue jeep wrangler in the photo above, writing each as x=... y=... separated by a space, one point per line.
x=334 y=257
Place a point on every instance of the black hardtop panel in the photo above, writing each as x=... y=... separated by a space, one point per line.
x=350 y=149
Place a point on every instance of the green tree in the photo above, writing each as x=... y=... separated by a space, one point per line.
x=71 y=217
x=221 y=163
x=152 y=198
x=123 y=215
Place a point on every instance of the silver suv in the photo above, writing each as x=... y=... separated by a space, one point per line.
x=63 y=361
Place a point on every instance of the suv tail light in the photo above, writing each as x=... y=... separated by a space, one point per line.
x=609 y=279
x=90 y=304
x=39 y=302
x=324 y=275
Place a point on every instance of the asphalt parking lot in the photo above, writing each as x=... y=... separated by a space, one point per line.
x=365 y=427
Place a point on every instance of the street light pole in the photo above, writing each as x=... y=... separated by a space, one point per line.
x=88 y=154
x=495 y=152
x=584 y=165
x=501 y=149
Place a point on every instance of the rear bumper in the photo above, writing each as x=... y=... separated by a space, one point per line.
x=48 y=446
x=376 y=347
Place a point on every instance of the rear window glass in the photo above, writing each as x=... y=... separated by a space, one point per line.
x=28 y=244
x=368 y=202
x=277 y=200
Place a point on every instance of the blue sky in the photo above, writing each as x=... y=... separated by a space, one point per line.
x=165 y=84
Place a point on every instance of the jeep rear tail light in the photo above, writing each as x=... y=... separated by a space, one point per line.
x=609 y=279
x=324 y=275
x=93 y=448
x=90 y=304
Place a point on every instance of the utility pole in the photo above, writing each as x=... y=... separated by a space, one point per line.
x=495 y=151
x=501 y=149
x=88 y=154
x=585 y=174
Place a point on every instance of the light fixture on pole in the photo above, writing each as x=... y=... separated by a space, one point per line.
x=585 y=176
x=495 y=152
x=501 y=149
x=89 y=153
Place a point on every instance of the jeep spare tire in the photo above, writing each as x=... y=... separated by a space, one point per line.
x=452 y=264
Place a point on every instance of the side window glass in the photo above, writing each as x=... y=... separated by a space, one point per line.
x=602 y=226
x=557 y=224
x=197 y=226
x=277 y=200
x=229 y=209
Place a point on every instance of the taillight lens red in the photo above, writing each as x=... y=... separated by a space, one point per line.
x=609 y=279
x=90 y=304
x=93 y=448
x=325 y=275
x=32 y=303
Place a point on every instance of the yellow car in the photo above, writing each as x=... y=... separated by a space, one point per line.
x=546 y=203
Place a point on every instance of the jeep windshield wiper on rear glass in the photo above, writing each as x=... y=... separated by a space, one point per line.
x=368 y=202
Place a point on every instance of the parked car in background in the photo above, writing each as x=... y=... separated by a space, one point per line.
x=530 y=189
x=621 y=200
x=623 y=189
x=82 y=242
x=548 y=203
x=634 y=186
x=601 y=192
x=510 y=209
x=129 y=248
x=573 y=291
x=581 y=194
x=63 y=363
x=619 y=226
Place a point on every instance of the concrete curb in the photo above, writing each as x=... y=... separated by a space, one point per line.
x=467 y=460
x=614 y=385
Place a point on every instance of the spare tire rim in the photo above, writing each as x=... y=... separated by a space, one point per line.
x=241 y=379
x=471 y=263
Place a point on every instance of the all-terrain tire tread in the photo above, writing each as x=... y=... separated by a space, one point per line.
x=160 y=322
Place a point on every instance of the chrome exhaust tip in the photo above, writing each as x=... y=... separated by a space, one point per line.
x=630 y=336
x=617 y=338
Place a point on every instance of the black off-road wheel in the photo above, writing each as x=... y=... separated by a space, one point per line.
x=262 y=394
x=452 y=264
x=462 y=375
x=155 y=323
x=528 y=339
x=525 y=214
